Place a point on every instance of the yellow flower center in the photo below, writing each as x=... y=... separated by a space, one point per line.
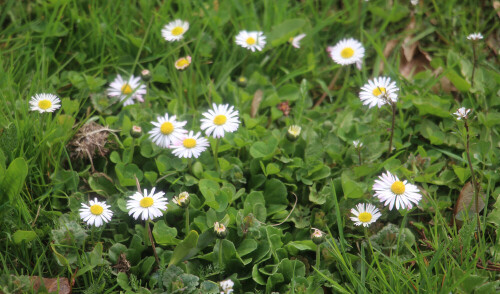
x=189 y=143
x=220 y=119
x=365 y=217
x=146 y=202
x=398 y=187
x=377 y=91
x=126 y=89
x=96 y=209
x=182 y=62
x=177 y=31
x=347 y=52
x=250 y=41
x=44 y=104
x=166 y=128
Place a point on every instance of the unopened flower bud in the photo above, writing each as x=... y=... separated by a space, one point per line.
x=136 y=131
x=220 y=230
x=182 y=200
x=146 y=75
x=242 y=82
x=293 y=133
x=317 y=236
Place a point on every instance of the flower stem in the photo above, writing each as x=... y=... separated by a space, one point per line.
x=359 y=155
x=474 y=184
x=393 y=105
x=216 y=155
x=473 y=64
x=187 y=219
x=152 y=242
x=220 y=254
x=318 y=255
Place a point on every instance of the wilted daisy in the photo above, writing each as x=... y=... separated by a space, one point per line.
x=475 y=37
x=227 y=286
x=219 y=120
x=347 y=51
x=45 y=103
x=462 y=112
x=167 y=130
x=379 y=91
x=251 y=40
x=365 y=214
x=183 y=62
x=149 y=205
x=393 y=192
x=96 y=214
x=182 y=200
x=189 y=145
x=357 y=144
x=127 y=91
x=174 y=31
x=295 y=41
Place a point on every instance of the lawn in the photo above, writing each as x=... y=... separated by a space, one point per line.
x=273 y=146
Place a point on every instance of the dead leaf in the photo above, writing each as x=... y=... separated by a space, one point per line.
x=496 y=6
x=409 y=48
x=257 y=98
x=122 y=265
x=53 y=285
x=466 y=201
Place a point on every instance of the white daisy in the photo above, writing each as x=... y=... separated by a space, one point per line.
x=127 y=91
x=167 y=130
x=251 y=40
x=378 y=92
x=365 y=214
x=149 y=205
x=219 y=120
x=390 y=190
x=227 y=286
x=295 y=41
x=347 y=51
x=183 y=62
x=357 y=144
x=475 y=37
x=96 y=214
x=174 y=30
x=462 y=112
x=45 y=103
x=189 y=145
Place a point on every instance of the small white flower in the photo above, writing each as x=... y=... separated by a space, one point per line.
x=183 y=62
x=357 y=144
x=219 y=120
x=295 y=41
x=462 y=112
x=393 y=192
x=365 y=214
x=189 y=145
x=378 y=91
x=227 y=286
x=96 y=214
x=251 y=40
x=45 y=103
x=347 y=51
x=167 y=130
x=149 y=205
x=414 y=2
x=182 y=200
x=174 y=31
x=127 y=91
x=475 y=37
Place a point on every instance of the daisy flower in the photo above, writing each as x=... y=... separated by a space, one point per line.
x=174 y=31
x=357 y=144
x=347 y=51
x=365 y=214
x=167 y=130
x=190 y=145
x=127 y=91
x=378 y=91
x=96 y=214
x=183 y=62
x=390 y=190
x=45 y=103
x=475 y=37
x=462 y=112
x=182 y=200
x=149 y=205
x=251 y=40
x=295 y=41
x=293 y=132
x=219 y=120
x=227 y=286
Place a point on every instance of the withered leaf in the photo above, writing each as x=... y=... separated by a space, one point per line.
x=257 y=98
x=53 y=285
x=466 y=204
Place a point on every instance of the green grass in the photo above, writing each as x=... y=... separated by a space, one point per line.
x=74 y=49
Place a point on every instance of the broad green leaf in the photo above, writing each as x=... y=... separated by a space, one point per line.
x=284 y=31
x=351 y=188
x=183 y=249
x=163 y=234
x=20 y=236
x=13 y=180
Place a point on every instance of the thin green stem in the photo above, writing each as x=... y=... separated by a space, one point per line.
x=473 y=63
x=473 y=176
x=187 y=219
x=318 y=255
x=393 y=105
x=216 y=155
x=152 y=242
x=220 y=254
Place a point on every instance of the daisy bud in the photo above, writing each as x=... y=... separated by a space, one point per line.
x=136 y=131
x=220 y=230
x=146 y=75
x=293 y=133
x=317 y=236
x=182 y=200
x=242 y=82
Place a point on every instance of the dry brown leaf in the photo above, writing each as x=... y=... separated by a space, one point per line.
x=389 y=47
x=466 y=202
x=409 y=48
x=257 y=98
x=496 y=6
x=122 y=265
x=53 y=285
x=493 y=44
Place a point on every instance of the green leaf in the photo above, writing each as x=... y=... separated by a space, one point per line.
x=70 y=106
x=431 y=105
x=13 y=180
x=209 y=188
x=272 y=169
x=284 y=31
x=163 y=234
x=275 y=194
x=183 y=249
x=351 y=188
x=20 y=236
x=462 y=173
x=264 y=150
x=247 y=246
x=209 y=287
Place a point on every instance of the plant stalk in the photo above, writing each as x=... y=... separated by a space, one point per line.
x=318 y=255
x=216 y=155
x=187 y=219
x=474 y=184
x=473 y=63
x=393 y=105
x=152 y=243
